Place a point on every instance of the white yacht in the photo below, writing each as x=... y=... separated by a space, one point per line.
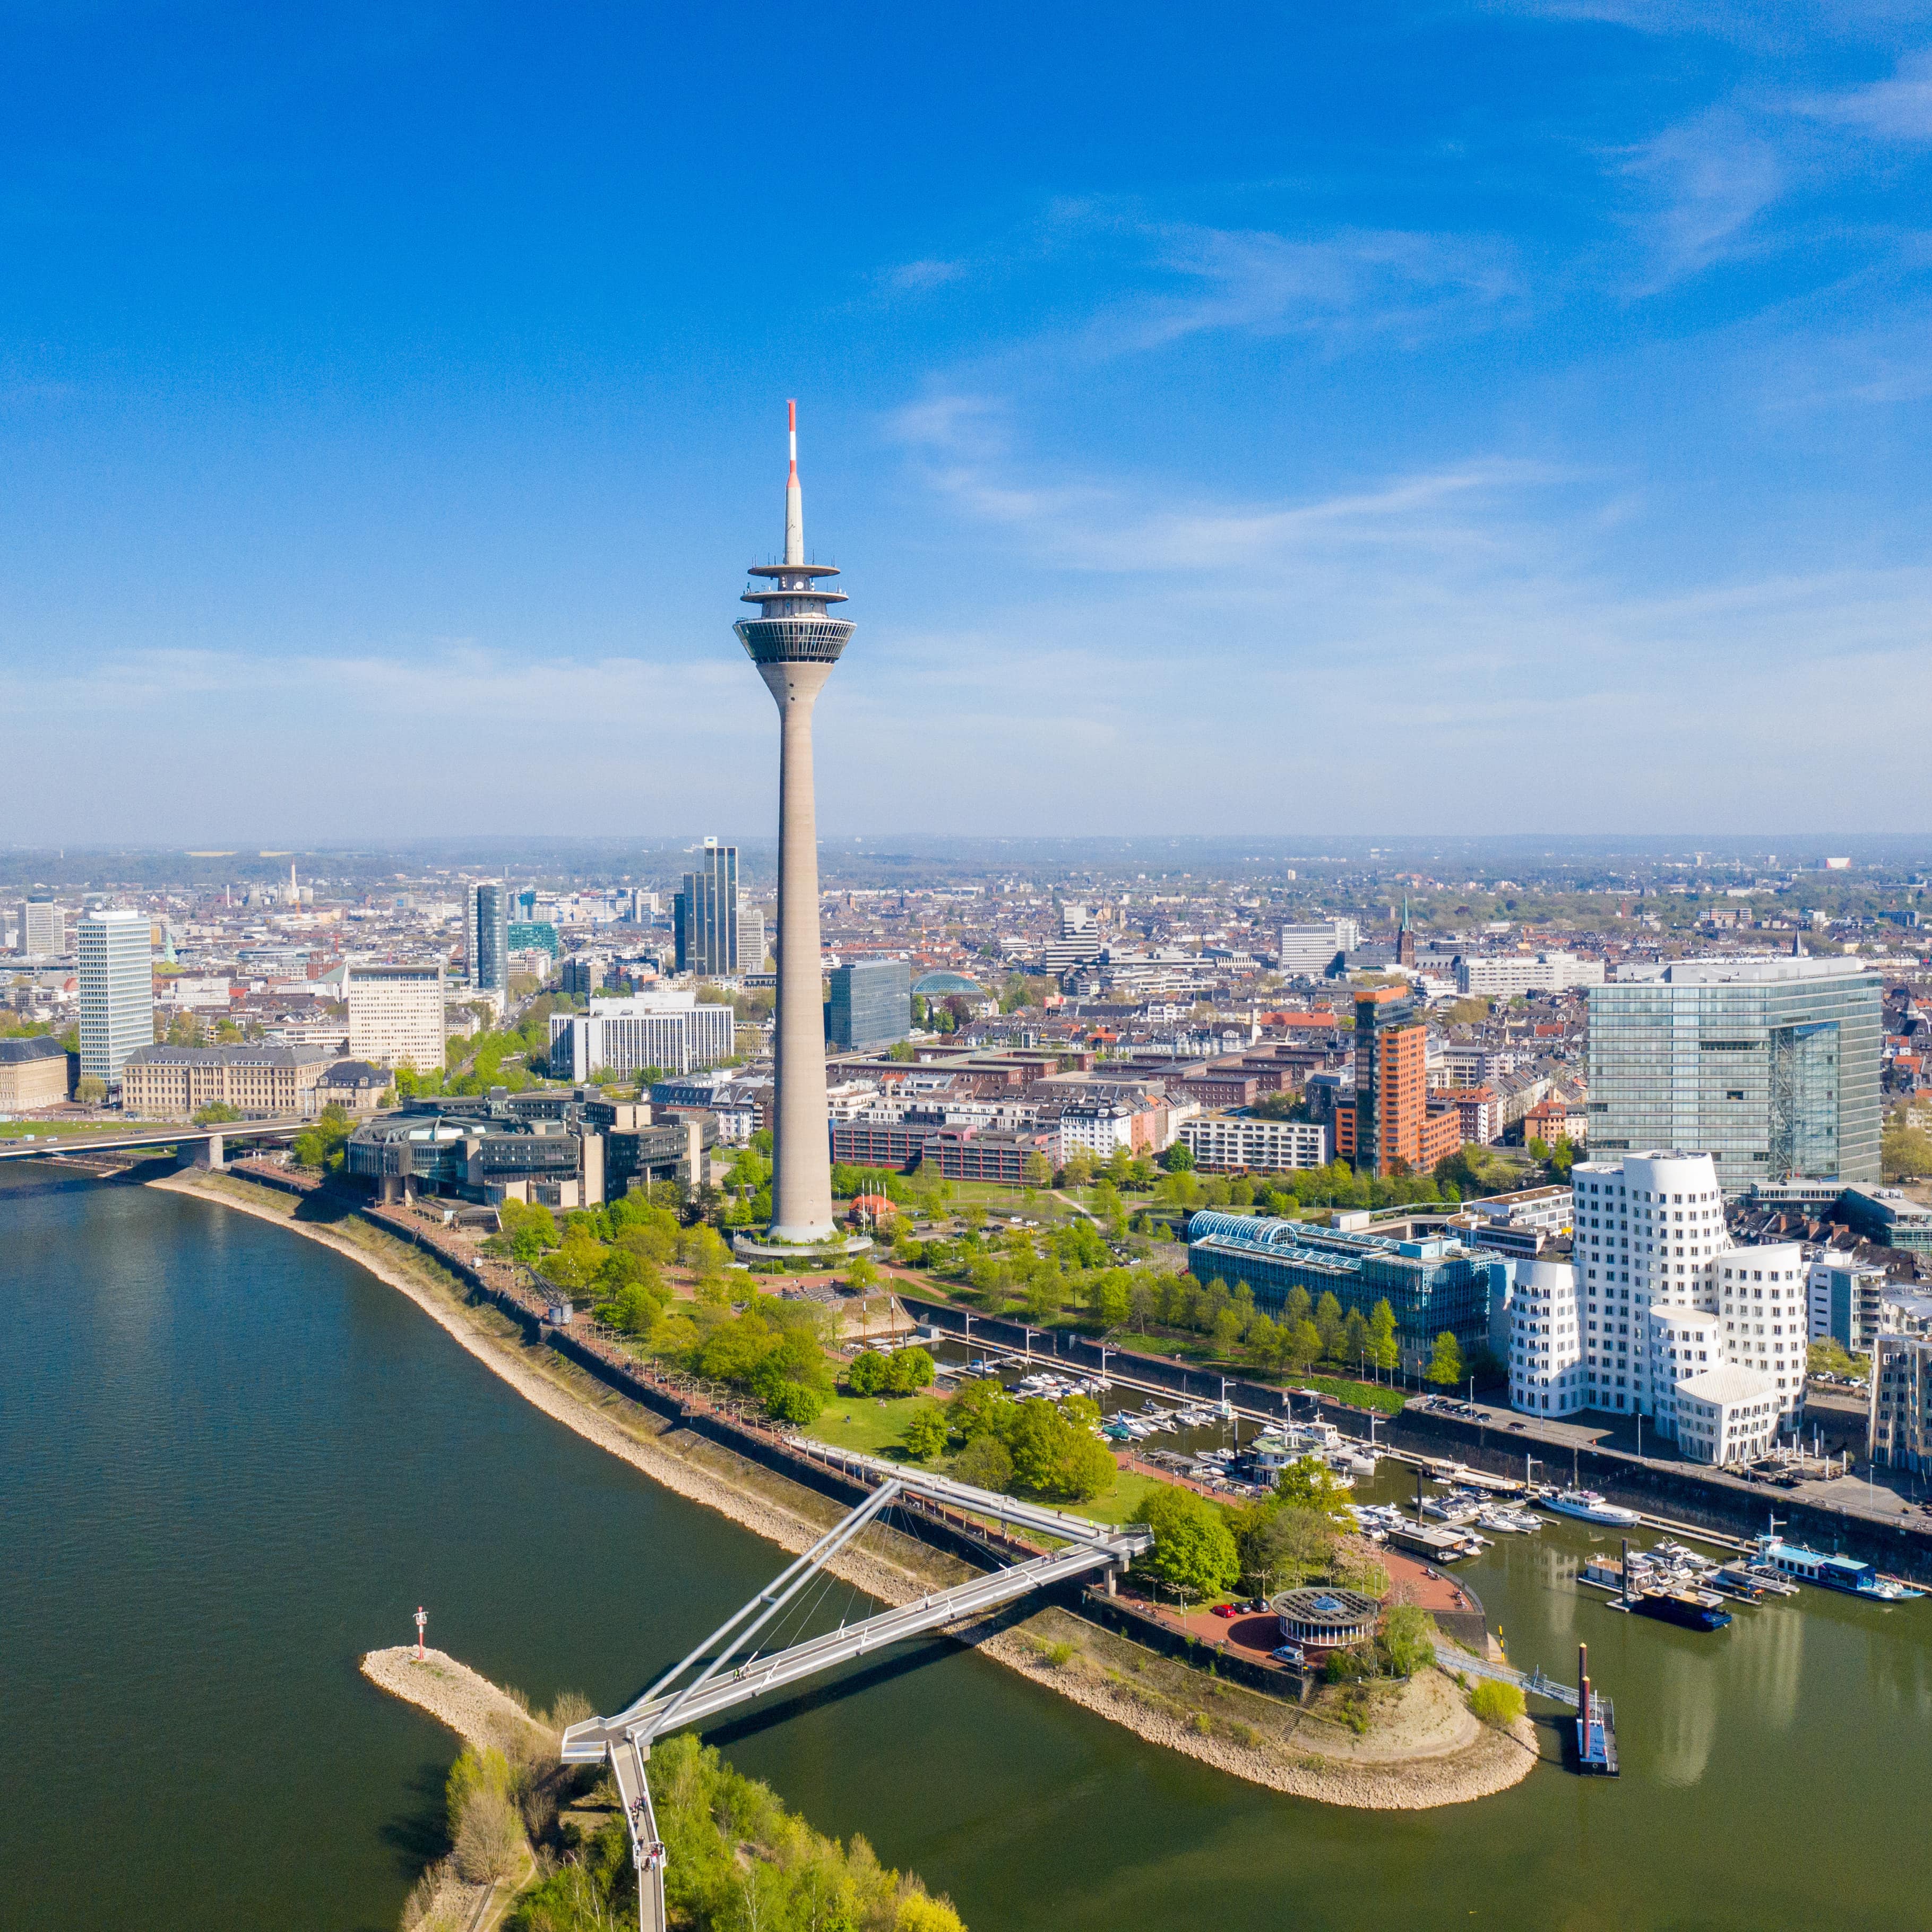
x=1590 y=1506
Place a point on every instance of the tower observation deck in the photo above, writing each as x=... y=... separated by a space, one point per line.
x=794 y=641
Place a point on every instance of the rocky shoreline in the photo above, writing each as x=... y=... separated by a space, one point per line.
x=1466 y=1762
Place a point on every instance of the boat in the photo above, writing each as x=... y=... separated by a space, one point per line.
x=1511 y=1522
x=1689 y=1610
x=1590 y=1506
x=1846 y=1573
x=1733 y=1579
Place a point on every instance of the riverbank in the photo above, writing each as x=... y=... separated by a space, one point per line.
x=1424 y=1749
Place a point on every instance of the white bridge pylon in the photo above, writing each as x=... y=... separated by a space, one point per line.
x=706 y=1692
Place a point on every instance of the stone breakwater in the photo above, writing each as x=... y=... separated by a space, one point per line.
x=1457 y=1763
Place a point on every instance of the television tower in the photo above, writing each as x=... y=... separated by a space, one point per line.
x=794 y=642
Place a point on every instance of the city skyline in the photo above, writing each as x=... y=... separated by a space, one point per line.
x=1555 y=372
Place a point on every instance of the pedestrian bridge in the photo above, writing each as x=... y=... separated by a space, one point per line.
x=731 y=1668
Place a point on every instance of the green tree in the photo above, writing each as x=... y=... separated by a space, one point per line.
x=925 y=1432
x=1384 y=1351
x=1284 y=1545
x=1354 y=1343
x=909 y=1370
x=1054 y=1456
x=865 y=1374
x=1179 y=1159
x=985 y=1462
x=1194 y=1549
x=1328 y=1324
x=90 y=1090
x=980 y=1408
x=1309 y=1484
x=1445 y=1365
x=1408 y=1638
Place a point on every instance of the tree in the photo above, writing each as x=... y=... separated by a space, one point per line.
x=1355 y=1338
x=1179 y=1159
x=1384 y=1351
x=979 y=1408
x=908 y=1370
x=91 y=1090
x=1445 y=1366
x=1408 y=1638
x=985 y=1462
x=1053 y=1456
x=866 y=1374
x=1309 y=1484
x=1328 y=1324
x=1194 y=1549
x=925 y=1432
x=1283 y=1546
x=1037 y=1169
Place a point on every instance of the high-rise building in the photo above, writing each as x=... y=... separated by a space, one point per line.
x=668 y=1030
x=43 y=926
x=486 y=931
x=116 y=984
x=1387 y=1125
x=706 y=913
x=396 y=1015
x=750 y=937
x=1769 y=1065
x=795 y=641
x=871 y=1005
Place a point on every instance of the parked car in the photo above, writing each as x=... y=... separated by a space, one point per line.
x=1289 y=1653
x=1226 y=1610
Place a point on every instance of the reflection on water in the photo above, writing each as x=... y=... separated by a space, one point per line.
x=233 y=1462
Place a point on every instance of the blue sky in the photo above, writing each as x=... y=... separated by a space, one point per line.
x=1475 y=418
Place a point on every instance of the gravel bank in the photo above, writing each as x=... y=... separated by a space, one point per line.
x=454 y=1695
x=1471 y=1762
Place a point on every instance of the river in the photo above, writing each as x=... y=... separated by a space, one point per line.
x=233 y=1461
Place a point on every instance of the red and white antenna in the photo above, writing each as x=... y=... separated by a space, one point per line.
x=422 y=1619
x=794 y=551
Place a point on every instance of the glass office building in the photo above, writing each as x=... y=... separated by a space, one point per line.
x=1769 y=1065
x=487 y=921
x=872 y=1003
x=115 y=982
x=705 y=914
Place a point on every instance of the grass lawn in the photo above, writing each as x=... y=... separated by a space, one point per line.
x=872 y=1424
x=76 y=1130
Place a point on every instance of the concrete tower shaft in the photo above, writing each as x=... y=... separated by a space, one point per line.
x=795 y=641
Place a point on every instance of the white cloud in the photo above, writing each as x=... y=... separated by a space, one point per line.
x=1898 y=110
x=915 y=277
x=1709 y=178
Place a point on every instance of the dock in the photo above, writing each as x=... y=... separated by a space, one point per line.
x=1596 y=1724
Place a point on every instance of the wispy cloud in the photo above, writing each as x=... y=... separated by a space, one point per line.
x=913 y=277
x=1897 y=110
x=1708 y=178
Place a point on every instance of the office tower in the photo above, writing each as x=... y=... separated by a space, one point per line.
x=668 y=1030
x=872 y=1003
x=707 y=913
x=42 y=928
x=527 y=905
x=750 y=937
x=1387 y=1126
x=116 y=984
x=795 y=641
x=486 y=932
x=579 y=978
x=1769 y=1065
x=395 y=1015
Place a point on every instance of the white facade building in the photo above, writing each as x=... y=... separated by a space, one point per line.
x=1228 y=1143
x=43 y=926
x=1725 y=1416
x=1309 y=948
x=669 y=1030
x=396 y=1015
x=1505 y=975
x=1547 y=1376
x=115 y=983
x=1661 y=1298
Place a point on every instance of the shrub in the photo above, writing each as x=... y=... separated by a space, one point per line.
x=1500 y=1704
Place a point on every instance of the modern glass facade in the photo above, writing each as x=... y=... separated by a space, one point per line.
x=1432 y=1285
x=872 y=1003
x=488 y=937
x=115 y=982
x=1771 y=1066
x=706 y=913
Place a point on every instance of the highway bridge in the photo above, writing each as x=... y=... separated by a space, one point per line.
x=205 y=1146
x=708 y=1681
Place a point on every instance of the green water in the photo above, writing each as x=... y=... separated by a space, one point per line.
x=232 y=1461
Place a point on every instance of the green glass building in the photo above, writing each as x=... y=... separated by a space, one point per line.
x=1769 y=1065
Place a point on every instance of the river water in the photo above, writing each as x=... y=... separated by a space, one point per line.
x=232 y=1462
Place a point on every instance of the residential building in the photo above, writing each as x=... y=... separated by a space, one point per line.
x=1239 y=1144
x=1724 y=1415
x=1844 y=1301
x=260 y=1078
x=116 y=984
x=971 y=1154
x=1547 y=1373
x=705 y=915
x=1771 y=1065
x=486 y=931
x=1104 y=1123
x=1312 y=949
x=1478 y=1112
x=870 y=1004
x=34 y=1073
x=396 y=1015
x=42 y=924
x=1433 y=1283
x=1512 y=975
x=668 y=1030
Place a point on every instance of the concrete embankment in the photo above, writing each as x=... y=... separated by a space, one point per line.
x=1430 y=1751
